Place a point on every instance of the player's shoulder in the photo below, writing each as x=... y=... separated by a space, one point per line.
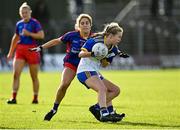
x=98 y=39
x=19 y=22
x=90 y=40
x=114 y=49
x=34 y=20
x=72 y=33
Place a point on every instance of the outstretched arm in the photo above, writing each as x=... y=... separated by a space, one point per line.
x=48 y=44
x=14 y=41
x=51 y=43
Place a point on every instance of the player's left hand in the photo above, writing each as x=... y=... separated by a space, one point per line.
x=123 y=55
x=104 y=62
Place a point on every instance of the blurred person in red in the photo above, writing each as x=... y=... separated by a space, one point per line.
x=27 y=31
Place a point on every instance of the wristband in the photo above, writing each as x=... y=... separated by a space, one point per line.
x=41 y=48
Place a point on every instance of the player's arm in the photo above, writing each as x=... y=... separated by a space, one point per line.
x=86 y=50
x=48 y=44
x=13 y=45
x=85 y=53
x=51 y=43
x=122 y=54
x=38 y=35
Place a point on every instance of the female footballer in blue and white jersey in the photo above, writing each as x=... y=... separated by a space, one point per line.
x=74 y=41
x=27 y=31
x=88 y=72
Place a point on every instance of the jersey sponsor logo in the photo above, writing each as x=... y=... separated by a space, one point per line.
x=82 y=42
x=74 y=41
x=75 y=50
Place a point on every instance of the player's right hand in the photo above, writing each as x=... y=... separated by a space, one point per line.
x=36 y=49
x=9 y=57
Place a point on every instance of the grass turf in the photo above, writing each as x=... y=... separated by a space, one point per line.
x=150 y=99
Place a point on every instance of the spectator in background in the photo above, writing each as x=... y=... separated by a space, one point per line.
x=169 y=8
x=2 y=59
x=161 y=7
x=154 y=7
x=76 y=7
x=79 y=5
x=27 y=31
x=41 y=12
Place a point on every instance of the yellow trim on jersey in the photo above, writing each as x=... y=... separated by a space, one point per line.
x=109 y=49
x=104 y=39
x=84 y=49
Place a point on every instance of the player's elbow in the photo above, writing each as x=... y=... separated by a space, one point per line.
x=80 y=54
x=42 y=35
x=84 y=53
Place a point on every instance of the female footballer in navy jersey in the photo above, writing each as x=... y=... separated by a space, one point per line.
x=88 y=72
x=27 y=31
x=74 y=41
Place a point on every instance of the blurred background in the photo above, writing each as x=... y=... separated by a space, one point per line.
x=151 y=29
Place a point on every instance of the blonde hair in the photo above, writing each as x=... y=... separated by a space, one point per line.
x=111 y=28
x=81 y=16
x=24 y=5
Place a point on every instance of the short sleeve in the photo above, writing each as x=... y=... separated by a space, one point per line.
x=88 y=45
x=16 y=29
x=113 y=53
x=115 y=50
x=38 y=26
x=66 y=37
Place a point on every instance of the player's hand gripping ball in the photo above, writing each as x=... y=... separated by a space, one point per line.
x=100 y=51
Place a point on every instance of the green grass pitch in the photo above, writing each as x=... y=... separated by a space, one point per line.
x=150 y=99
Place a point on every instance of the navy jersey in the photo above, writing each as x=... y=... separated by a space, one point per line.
x=91 y=63
x=32 y=26
x=74 y=42
x=112 y=51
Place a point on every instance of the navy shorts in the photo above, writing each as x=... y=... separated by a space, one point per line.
x=83 y=76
